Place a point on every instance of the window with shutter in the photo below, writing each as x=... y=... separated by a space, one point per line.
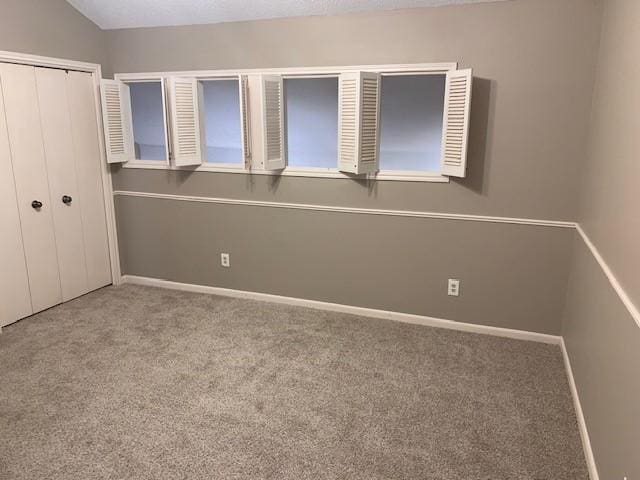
x=185 y=106
x=358 y=122
x=457 y=106
x=389 y=122
x=274 y=153
x=116 y=118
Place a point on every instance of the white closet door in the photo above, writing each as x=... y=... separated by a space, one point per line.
x=15 y=299
x=63 y=184
x=84 y=128
x=30 y=172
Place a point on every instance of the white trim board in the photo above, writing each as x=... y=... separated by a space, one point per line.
x=353 y=310
x=51 y=62
x=582 y=424
x=432 y=68
x=382 y=176
x=355 y=210
x=626 y=300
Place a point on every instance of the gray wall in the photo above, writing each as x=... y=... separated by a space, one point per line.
x=603 y=343
x=602 y=339
x=51 y=28
x=390 y=263
x=534 y=63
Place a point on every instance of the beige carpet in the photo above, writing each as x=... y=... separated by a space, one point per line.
x=142 y=383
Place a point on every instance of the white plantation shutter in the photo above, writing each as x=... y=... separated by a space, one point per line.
x=116 y=118
x=185 y=109
x=455 y=132
x=245 y=118
x=274 y=152
x=358 y=122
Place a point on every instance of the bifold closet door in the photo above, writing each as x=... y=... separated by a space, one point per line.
x=63 y=183
x=32 y=190
x=88 y=162
x=15 y=299
x=72 y=153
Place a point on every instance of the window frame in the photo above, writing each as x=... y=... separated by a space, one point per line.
x=298 y=73
x=154 y=164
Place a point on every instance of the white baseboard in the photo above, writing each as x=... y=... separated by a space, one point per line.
x=582 y=424
x=336 y=307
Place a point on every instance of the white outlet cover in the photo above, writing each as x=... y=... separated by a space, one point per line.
x=453 y=287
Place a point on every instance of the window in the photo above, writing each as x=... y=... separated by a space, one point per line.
x=222 y=125
x=311 y=106
x=411 y=110
x=384 y=122
x=147 y=114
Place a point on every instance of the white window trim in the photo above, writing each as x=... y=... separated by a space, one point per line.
x=306 y=72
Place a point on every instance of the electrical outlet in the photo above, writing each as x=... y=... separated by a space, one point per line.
x=225 y=260
x=453 y=287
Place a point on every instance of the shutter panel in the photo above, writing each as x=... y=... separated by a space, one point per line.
x=274 y=154
x=245 y=118
x=358 y=122
x=116 y=118
x=185 y=106
x=457 y=106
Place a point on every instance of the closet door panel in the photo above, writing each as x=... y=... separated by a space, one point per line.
x=15 y=299
x=66 y=202
x=30 y=172
x=84 y=127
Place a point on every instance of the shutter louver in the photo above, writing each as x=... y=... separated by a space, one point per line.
x=185 y=98
x=358 y=124
x=455 y=132
x=274 y=156
x=245 y=119
x=116 y=119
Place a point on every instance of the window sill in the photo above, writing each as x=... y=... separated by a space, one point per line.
x=398 y=176
x=147 y=164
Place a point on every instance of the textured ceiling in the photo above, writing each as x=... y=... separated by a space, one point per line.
x=110 y=14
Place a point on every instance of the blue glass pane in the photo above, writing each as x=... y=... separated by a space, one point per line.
x=312 y=122
x=411 y=109
x=148 y=121
x=223 y=136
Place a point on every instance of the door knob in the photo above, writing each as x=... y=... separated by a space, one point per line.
x=66 y=199
x=36 y=204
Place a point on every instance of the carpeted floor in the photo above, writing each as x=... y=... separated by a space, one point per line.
x=141 y=383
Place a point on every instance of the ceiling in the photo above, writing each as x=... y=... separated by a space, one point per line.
x=111 y=14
